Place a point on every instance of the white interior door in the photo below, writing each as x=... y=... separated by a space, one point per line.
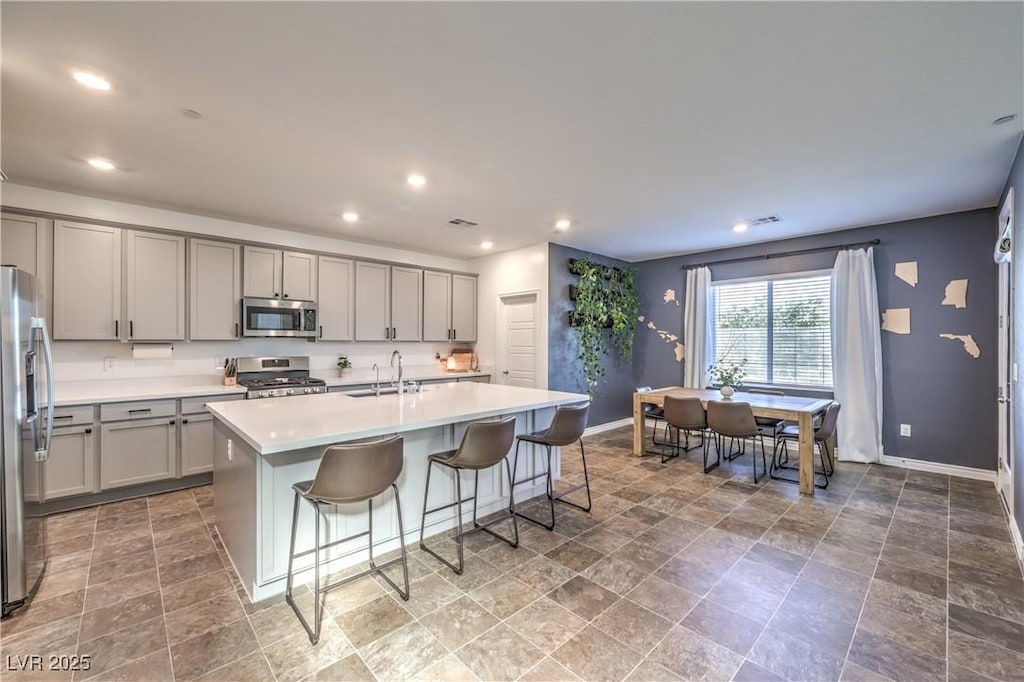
x=518 y=334
x=1007 y=367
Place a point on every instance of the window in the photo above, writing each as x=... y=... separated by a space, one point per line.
x=780 y=326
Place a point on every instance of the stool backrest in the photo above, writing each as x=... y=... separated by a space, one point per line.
x=731 y=418
x=685 y=413
x=485 y=444
x=357 y=472
x=828 y=422
x=568 y=424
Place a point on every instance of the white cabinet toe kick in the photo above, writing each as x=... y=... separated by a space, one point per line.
x=253 y=499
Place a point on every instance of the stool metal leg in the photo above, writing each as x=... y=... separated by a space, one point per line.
x=404 y=594
x=314 y=631
x=550 y=496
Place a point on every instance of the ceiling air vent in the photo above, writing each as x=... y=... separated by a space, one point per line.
x=765 y=220
x=462 y=222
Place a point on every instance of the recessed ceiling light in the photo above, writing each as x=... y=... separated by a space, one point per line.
x=563 y=224
x=101 y=164
x=416 y=180
x=350 y=216
x=486 y=245
x=1004 y=119
x=91 y=80
x=740 y=227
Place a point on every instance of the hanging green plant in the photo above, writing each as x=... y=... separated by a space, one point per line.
x=606 y=307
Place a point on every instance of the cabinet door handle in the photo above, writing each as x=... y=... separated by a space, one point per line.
x=87 y=431
x=63 y=416
x=131 y=329
x=236 y=330
x=140 y=411
x=455 y=335
x=449 y=334
x=117 y=328
x=286 y=295
x=387 y=332
x=276 y=295
x=184 y=421
x=321 y=331
x=171 y=422
x=394 y=334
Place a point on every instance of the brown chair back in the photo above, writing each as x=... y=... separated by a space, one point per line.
x=357 y=472
x=828 y=422
x=567 y=426
x=485 y=444
x=685 y=413
x=732 y=419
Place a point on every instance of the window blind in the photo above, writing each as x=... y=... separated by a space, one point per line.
x=781 y=327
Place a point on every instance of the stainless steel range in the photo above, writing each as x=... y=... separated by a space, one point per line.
x=274 y=377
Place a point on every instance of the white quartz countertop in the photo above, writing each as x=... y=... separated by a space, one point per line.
x=153 y=388
x=167 y=388
x=274 y=425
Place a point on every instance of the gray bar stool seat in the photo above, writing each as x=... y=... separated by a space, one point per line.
x=484 y=445
x=566 y=428
x=347 y=474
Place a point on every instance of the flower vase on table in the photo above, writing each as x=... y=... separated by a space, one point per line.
x=729 y=375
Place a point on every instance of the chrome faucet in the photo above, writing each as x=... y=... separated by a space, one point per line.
x=376 y=383
x=398 y=354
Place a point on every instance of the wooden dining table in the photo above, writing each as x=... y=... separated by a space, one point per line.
x=790 y=408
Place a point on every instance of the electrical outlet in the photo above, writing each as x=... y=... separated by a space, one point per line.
x=109 y=364
x=219 y=362
x=905 y=430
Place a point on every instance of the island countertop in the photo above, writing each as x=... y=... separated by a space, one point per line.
x=274 y=425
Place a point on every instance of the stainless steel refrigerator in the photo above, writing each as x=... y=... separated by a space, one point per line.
x=25 y=433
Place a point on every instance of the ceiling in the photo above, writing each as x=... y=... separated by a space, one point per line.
x=653 y=126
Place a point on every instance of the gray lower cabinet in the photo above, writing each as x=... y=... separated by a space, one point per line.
x=137 y=451
x=71 y=467
x=196 y=444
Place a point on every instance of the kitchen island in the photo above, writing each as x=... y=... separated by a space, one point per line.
x=262 y=447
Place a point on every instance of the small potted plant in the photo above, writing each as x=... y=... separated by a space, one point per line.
x=343 y=364
x=729 y=375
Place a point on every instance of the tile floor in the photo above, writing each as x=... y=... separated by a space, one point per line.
x=888 y=574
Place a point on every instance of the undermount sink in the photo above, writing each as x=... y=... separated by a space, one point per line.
x=384 y=390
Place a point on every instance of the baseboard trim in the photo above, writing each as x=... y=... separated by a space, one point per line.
x=940 y=468
x=1018 y=541
x=608 y=426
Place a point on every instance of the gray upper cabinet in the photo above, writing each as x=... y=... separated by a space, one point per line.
x=464 y=307
x=24 y=243
x=272 y=273
x=299 y=276
x=437 y=306
x=406 y=303
x=449 y=307
x=335 y=298
x=154 y=286
x=263 y=272
x=215 y=284
x=373 y=293
x=86 y=281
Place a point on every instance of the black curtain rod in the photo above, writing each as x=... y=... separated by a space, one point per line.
x=769 y=256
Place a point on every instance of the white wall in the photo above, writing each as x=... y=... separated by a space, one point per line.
x=84 y=360
x=512 y=272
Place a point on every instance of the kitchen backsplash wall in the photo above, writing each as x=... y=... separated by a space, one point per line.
x=85 y=360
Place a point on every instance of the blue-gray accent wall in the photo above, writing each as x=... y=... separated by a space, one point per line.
x=947 y=396
x=614 y=397
x=1016 y=180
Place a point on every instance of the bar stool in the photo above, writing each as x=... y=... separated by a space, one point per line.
x=484 y=445
x=566 y=428
x=822 y=435
x=347 y=474
x=686 y=415
x=656 y=414
x=734 y=420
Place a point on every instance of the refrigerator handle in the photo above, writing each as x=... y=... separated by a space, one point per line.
x=40 y=323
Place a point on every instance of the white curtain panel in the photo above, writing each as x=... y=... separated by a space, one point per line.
x=697 y=332
x=857 y=356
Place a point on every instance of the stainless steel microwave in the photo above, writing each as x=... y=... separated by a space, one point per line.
x=276 y=317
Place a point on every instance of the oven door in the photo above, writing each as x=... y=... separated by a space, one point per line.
x=274 y=317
